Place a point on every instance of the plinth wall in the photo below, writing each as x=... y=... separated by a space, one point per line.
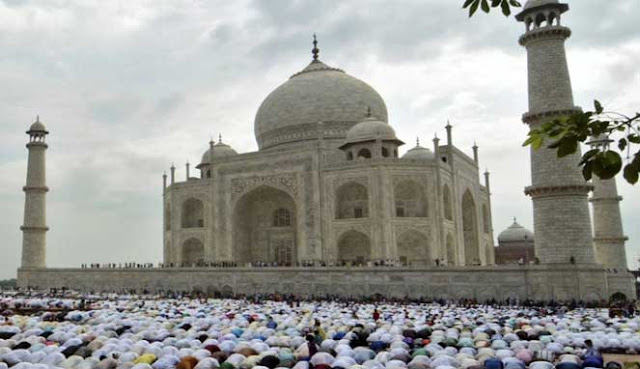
x=540 y=282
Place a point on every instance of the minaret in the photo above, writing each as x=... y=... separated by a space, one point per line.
x=34 y=230
x=608 y=238
x=559 y=192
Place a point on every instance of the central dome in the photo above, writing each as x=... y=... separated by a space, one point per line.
x=318 y=93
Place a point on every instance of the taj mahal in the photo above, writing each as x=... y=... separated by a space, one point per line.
x=327 y=200
x=327 y=185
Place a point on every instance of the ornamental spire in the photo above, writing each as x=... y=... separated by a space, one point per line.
x=315 y=51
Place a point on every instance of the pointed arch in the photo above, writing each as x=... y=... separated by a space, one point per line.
x=167 y=253
x=489 y=254
x=354 y=246
x=446 y=202
x=192 y=251
x=167 y=217
x=192 y=213
x=265 y=227
x=486 y=224
x=451 y=250
x=470 y=229
x=352 y=201
x=410 y=199
x=364 y=153
x=413 y=248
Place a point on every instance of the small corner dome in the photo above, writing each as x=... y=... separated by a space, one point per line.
x=370 y=129
x=515 y=233
x=220 y=151
x=37 y=126
x=419 y=153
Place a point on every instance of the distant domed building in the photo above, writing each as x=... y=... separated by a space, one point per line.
x=515 y=245
x=327 y=185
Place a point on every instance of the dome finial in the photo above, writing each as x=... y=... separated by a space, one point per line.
x=315 y=51
x=515 y=220
x=38 y=118
x=417 y=141
x=219 y=137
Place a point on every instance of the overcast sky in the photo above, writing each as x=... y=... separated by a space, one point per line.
x=127 y=87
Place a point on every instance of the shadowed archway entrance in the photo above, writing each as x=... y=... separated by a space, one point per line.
x=264 y=227
x=470 y=230
x=354 y=247
x=413 y=248
x=192 y=252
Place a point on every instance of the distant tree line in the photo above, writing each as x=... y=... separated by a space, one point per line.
x=8 y=283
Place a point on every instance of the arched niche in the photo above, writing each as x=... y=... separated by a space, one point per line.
x=413 y=248
x=446 y=202
x=352 y=201
x=486 y=224
x=470 y=229
x=167 y=217
x=192 y=213
x=192 y=251
x=354 y=247
x=264 y=227
x=410 y=199
x=451 y=250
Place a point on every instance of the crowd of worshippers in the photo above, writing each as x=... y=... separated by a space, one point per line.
x=137 y=332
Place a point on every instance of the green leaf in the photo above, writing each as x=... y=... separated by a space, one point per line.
x=485 y=6
x=587 y=171
x=598 y=106
x=515 y=3
x=634 y=139
x=467 y=3
x=537 y=143
x=588 y=155
x=598 y=127
x=529 y=141
x=607 y=164
x=631 y=173
x=495 y=3
x=622 y=144
x=506 y=10
x=556 y=144
x=474 y=7
x=567 y=147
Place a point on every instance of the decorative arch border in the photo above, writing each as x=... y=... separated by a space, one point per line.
x=201 y=196
x=401 y=229
x=339 y=181
x=361 y=228
x=187 y=235
x=287 y=183
x=183 y=242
